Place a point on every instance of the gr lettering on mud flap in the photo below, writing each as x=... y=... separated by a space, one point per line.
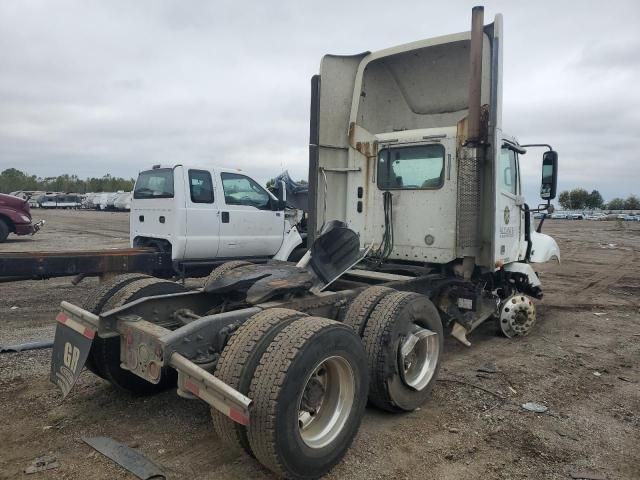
x=71 y=355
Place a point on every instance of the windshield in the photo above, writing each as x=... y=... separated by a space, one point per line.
x=156 y=183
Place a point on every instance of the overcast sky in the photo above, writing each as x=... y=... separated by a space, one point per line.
x=96 y=87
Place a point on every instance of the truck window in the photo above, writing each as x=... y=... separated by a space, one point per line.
x=411 y=168
x=508 y=171
x=241 y=190
x=156 y=183
x=201 y=186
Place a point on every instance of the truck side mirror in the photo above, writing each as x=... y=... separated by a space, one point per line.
x=549 y=175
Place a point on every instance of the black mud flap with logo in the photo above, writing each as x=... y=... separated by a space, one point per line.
x=70 y=351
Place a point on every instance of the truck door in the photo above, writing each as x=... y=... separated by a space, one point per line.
x=508 y=215
x=249 y=225
x=202 y=215
x=419 y=178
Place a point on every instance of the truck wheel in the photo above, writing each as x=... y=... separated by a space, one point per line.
x=238 y=363
x=4 y=230
x=362 y=306
x=222 y=270
x=403 y=340
x=309 y=394
x=517 y=315
x=96 y=301
x=108 y=349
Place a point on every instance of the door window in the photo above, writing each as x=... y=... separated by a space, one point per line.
x=200 y=186
x=508 y=171
x=241 y=190
x=411 y=168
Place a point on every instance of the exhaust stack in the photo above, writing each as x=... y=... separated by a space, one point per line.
x=475 y=74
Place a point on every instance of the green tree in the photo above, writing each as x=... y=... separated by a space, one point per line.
x=579 y=198
x=564 y=200
x=12 y=180
x=632 y=203
x=616 y=204
x=594 y=200
x=575 y=199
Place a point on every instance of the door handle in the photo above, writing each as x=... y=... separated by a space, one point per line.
x=225 y=217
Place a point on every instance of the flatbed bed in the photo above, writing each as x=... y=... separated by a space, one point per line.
x=41 y=265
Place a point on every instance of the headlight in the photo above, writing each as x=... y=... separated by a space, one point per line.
x=25 y=219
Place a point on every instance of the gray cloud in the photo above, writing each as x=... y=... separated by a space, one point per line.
x=115 y=86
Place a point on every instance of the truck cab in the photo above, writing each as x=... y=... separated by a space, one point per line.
x=203 y=213
x=408 y=148
x=15 y=217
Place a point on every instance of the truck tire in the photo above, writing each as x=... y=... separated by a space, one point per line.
x=403 y=340
x=221 y=270
x=96 y=301
x=238 y=363
x=107 y=350
x=309 y=395
x=361 y=307
x=4 y=230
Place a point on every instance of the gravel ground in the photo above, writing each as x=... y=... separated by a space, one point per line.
x=581 y=360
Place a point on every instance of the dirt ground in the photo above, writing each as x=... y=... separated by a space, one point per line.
x=581 y=360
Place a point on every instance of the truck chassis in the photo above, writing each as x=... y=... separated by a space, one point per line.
x=286 y=370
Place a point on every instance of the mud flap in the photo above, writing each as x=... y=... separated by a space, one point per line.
x=70 y=351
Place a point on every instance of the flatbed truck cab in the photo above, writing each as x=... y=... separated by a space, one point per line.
x=201 y=213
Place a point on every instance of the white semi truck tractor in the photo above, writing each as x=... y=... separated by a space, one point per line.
x=418 y=229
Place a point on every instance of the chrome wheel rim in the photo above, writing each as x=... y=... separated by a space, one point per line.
x=517 y=315
x=326 y=402
x=418 y=357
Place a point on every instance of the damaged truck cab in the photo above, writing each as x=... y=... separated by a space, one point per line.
x=408 y=148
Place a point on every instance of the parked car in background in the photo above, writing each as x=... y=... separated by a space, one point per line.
x=559 y=216
x=576 y=216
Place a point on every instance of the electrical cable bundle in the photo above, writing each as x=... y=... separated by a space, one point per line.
x=386 y=246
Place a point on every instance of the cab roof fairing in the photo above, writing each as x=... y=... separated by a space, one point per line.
x=393 y=89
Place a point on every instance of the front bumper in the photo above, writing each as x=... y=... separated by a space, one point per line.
x=29 y=228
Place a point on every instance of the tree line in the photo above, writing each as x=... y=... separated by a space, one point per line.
x=12 y=180
x=581 y=199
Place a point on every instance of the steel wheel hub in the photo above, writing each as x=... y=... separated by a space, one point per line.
x=326 y=402
x=517 y=315
x=418 y=357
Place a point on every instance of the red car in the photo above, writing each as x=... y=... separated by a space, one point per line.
x=15 y=217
